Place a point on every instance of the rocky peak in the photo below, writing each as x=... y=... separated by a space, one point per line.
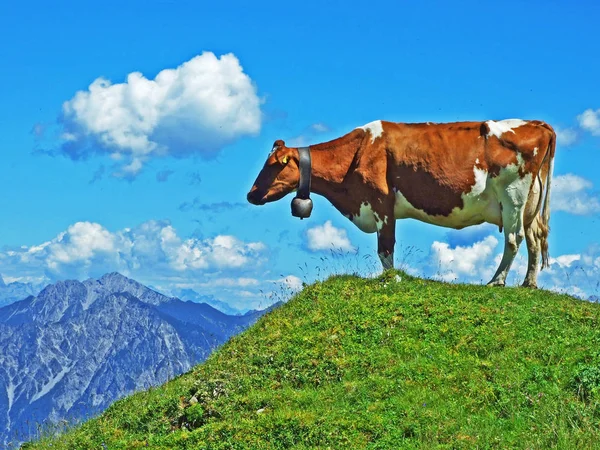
x=52 y=302
x=114 y=282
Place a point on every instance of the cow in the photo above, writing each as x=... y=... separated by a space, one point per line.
x=449 y=174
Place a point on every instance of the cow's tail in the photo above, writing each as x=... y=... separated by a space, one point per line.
x=545 y=213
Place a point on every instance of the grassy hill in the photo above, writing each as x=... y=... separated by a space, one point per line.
x=380 y=364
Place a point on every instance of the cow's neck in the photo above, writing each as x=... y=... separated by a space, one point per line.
x=331 y=163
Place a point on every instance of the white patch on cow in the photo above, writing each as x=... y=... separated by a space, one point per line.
x=380 y=221
x=535 y=150
x=477 y=161
x=510 y=185
x=480 y=203
x=375 y=128
x=503 y=126
x=520 y=161
x=404 y=209
x=518 y=190
x=367 y=220
x=480 y=182
x=475 y=211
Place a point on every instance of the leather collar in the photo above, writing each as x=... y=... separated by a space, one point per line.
x=305 y=172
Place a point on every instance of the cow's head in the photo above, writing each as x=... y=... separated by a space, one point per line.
x=279 y=176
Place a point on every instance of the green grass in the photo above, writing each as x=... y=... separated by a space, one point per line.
x=355 y=363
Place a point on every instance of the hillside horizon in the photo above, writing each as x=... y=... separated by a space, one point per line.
x=387 y=362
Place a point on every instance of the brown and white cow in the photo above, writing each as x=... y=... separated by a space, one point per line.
x=449 y=174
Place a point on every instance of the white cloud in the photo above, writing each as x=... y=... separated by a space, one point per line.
x=29 y=280
x=151 y=250
x=565 y=136
x=248 y=294
x=574 y=291
x=220 y=252
x=320 y=127
x=565 y=260
x=569 y=195
x=310 y=135
x=298 y=141
x=196 y=108
x=292 y=282
x=575 y=274
x=328 y=237
x=209 y=282
x=80 y=242
x=589 y=120
x=465 y=261
x=232 y=282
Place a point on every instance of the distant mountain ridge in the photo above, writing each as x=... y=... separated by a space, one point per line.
x=16 y=290
x=76 y=347
x=192 y=295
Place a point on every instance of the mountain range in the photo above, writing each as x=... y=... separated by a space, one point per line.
x=76 y=347
x=193 y=296
x=16 y=290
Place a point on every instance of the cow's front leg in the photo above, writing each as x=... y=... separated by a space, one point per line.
x=386 y=240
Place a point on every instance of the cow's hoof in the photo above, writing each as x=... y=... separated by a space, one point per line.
x=496 y=283
x=527 y=284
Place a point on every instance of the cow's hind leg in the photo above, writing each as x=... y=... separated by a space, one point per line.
x=512 y=219
x=534 y=233
x=386 y=240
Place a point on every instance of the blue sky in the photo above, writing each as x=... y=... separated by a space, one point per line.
x=157 y=190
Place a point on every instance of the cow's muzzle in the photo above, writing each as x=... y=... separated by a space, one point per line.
x=255 y=198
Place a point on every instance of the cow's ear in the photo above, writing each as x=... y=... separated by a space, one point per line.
x=277 y=144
